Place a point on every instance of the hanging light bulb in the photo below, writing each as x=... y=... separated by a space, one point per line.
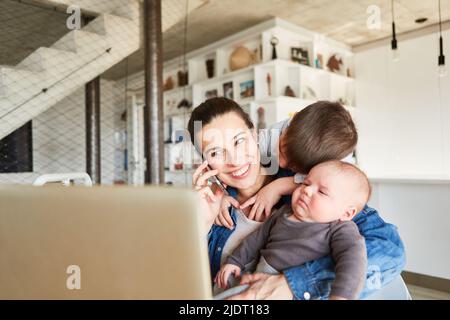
x=394 y=44
x=395 y=53
x=442 y=70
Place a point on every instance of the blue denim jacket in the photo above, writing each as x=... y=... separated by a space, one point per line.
x=313 y=280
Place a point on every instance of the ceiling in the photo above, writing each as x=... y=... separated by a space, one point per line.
x=212 y=20
x=343 y=20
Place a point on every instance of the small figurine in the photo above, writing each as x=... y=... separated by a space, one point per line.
x=334 y=64
x=210 y=68
x=179 y=164
x=274 y=41
x=184 y=104
x=319 y=61
x=261 y=119
x=288 y=92
x=182 y=78
x=269 y=84
x=168 y=85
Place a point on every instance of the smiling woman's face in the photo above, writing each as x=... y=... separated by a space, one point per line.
x=230 y=147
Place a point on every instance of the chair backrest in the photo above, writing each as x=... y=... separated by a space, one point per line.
x=64 y=178
x=395 y=290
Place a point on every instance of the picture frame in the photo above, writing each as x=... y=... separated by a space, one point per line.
x=228 y=90
x=247 y=89
x=211 y=94
x=300 y=55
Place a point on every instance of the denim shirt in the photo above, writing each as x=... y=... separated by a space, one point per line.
x=313 y=280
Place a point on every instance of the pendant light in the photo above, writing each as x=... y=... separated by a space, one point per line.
x=441 y=59
x=394 y=45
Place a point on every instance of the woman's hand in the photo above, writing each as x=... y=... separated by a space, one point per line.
x=264 y=287
x=223 y=219
x=209 y=201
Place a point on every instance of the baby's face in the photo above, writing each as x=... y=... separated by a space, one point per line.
x=324 y=196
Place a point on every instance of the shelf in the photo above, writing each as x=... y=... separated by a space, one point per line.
x=308 y=83
x=225 y=76
x=178 y=89
x=244 y=101
x=289 y=63
x=339 y=76
x=187 y=171
x=286 y=98
x=181 y=112
x=271 y=63
x=295 y=99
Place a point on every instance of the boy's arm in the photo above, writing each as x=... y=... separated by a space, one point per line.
x=249 y=248
x=283 y=186
x=349 y=253
x=386 y=260
x=268 y=197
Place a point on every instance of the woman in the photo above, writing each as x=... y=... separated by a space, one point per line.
x=224 y=134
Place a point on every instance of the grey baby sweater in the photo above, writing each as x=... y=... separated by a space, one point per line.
x=284 y=243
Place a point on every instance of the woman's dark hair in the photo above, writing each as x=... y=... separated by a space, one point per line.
x=213 y=108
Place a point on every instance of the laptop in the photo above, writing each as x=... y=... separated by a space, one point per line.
x=102 y=243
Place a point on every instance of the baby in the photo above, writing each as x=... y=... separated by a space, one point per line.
x=318 y=223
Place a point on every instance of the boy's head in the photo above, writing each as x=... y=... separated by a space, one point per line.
x=332 y=191
x=321 y=132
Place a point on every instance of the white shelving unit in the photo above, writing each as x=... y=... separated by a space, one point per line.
x=309 y=83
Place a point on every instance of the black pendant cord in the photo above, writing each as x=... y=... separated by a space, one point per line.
x=441 y=41
x=185 y=74
x=126 y=84
x=394 y=44
x=185 y=46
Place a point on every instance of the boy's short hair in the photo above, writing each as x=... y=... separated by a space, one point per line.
x=321 y=132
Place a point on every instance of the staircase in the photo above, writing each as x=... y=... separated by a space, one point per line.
x=48 y=75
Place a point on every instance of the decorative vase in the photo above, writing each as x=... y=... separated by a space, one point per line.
x=182 y=78
x=261 y=119
x=240 y=58
x=168 y=84
x=210 y=68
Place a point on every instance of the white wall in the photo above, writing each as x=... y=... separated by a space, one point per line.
x=403 y=119
x=422 y=214
x=59 y=137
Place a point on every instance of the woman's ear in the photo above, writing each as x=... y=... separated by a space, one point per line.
x=349 y=214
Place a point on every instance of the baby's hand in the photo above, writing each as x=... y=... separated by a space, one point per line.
x=224 y=218
x=263 y=203
x=224 y=273
x=336 y=298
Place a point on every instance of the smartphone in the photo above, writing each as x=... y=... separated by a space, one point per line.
x=215 y=180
